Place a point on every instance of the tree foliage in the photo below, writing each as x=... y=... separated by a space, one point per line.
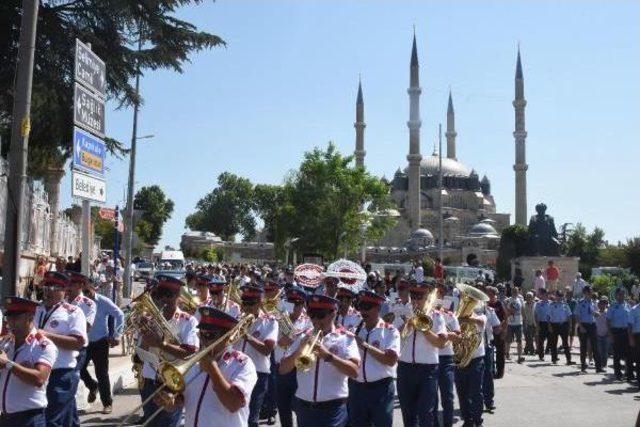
x=113 y=28
x=632 y=253
x=102 y=228
x=155 y=209
x=586 y=246
x=513 y=244
x=226 y=211
x=266 y=200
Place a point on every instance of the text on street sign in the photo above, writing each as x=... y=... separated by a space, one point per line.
x=88 y=152
x=88 y=111
x=90 y=69
x=88 y=187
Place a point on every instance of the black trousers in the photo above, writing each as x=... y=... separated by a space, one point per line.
x=635 y=355
x=559 y=330
x=621 y=351
x=543 y=335
x=589 y=335
x=98 y=352
x=498 y=342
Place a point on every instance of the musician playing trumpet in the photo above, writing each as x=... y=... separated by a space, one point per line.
x=219 y=387
x=325 y=357
x=212 y=293
x=166 y=293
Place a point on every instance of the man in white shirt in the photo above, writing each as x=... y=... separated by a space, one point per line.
x=418 y=363
x=514 y=323
x=348 y=317
x=371 y=394
x=493 y=322
x=401 y=308
x=322 y=388
x=446 y=364
x=66 y=326
x=25 y=366
x=578 y=285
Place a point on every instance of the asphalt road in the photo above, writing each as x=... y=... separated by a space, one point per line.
x=532 y=394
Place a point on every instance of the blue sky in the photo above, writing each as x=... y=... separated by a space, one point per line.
x=287 y=81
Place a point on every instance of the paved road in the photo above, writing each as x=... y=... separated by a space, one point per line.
x=532 y=394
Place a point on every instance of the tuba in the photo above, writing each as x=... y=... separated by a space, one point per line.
x=421 y=320
x=307 y=358
x=146 y=317
x=470 y=338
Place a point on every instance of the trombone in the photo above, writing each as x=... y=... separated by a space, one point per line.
x=307 y=357
x=172 y=374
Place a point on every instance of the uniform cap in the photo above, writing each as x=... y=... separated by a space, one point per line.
x=250 y=292
x=211 y=318
x=321 y=302
x=345 y=292
x=202 y=280
x=56 y=279
x=17 y=305
x=370 y=297
x=169 y=282
x=271 y=285
x=296 y=293
x=76 y=277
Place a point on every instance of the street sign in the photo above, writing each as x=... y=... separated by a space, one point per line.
x=90 y=69
x=108 y=213
x=89 y=152
x=88 y=110
x=88 y=187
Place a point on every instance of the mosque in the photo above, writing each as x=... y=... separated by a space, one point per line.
x=471 y=225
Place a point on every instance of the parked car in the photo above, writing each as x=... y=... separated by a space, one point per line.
x=143 y=271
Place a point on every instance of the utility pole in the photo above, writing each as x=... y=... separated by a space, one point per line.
x=18 y=150
x=440 y=221
x=128 y=221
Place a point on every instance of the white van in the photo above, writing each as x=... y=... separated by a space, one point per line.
x=173 y=258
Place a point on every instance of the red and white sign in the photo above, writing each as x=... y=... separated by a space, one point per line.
x=108 y=213
x=309 y=275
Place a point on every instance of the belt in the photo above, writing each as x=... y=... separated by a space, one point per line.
x=327 y=404
x=20 y=414
x=371 y=384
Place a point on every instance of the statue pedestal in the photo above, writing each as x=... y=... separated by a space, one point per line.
x=568 y=267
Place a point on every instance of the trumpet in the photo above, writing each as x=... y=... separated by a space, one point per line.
x=307 y=357
x=188 y=302
x=421 y=320
x=270 y=305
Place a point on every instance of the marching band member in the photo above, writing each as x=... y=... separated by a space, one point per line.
x=270 y=404
x=322 y=390
x=287 y=384
x=289 y=280
x=371 y=393
x=166 y=293
x=217 y=290
x=66 y=326
x=446 y=365
x=219 y=386
x=469 y=379
x=418 y=364
x=201 y=283
x=258 y=345
x=401 y=307
x=25 y=366
x=328 y=288
x=347 y=317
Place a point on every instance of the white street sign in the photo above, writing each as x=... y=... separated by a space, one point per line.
x=88 y=187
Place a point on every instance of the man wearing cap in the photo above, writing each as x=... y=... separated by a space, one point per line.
x=418 y=363
x=258 y=345
x=286 y=383
x=166 y=294
x=25 y=367
x=101 y=338
x=541 y=315
x=323 y=389
x=586 y=313
x=446 y=365
x=217 y=289
x=289 y=279
x=371 y=393
x=218 y=388
x=618 y=319
x=329 y=287
x=558 y=318
x=201 y=283
x=401 y=307
x=347 y=317
x=66 y=326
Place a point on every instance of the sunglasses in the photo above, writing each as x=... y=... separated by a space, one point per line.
x=317 y=314
x=165 y=293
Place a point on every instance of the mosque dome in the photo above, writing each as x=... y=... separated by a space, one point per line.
x=450 y=167
x=483 y=229
x=420 y=239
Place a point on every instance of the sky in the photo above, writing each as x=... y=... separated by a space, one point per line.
x=286 y=82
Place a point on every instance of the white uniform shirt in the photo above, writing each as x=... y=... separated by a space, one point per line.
x=383 y=337
x=265 y=328
x=349 y=321
x=300 y=325
x=492 y=322
x=416 y=349
x=323 y=381
x=480 y=350
x=202 y=406
x=452 y=324
x=64 y=319
x=185 y=327
x=15 y=394
x=399 y=309
x=88 y=307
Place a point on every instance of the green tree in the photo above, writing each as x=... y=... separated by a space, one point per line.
x=226 y=211
x=211 y=255
x=632 y=252
x=266 y=199
x=322 y=205
x=586 y=246
x=102 y=228
x=155 y=209
x=113 y=29
x=513 y=243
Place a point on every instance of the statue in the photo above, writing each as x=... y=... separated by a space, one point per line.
x=543 y=237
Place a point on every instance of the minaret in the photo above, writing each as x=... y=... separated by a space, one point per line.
x=520 y=135
x=414 y=156
x=359 y=125
x=451 y=130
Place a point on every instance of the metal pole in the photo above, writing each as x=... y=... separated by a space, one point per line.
x=440 y=224
x=19 y=148
x=86 y=231
x=128 y=237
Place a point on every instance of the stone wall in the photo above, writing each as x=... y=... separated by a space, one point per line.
x=529 y=264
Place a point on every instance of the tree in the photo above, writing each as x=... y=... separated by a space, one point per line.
x=226 y=211
x=112 y=27
x=322 y=203
x=102 y=228
x=266 y=199
x=513 y=244
x=586 y=246
x=632 y=252
x=155 y=209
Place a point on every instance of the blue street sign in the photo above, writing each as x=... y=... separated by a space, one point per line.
x=89 y=152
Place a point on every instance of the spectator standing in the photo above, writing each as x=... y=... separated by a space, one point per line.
x=514 y=323
x=438 y=271
x=602 y=331
x=578 y=285
x=553 y=274
x=539 y=283
x=499 y=332
x=572 y=302
x=529 y=324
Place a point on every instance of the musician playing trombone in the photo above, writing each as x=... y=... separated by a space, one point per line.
x=166 y=293
x=219 y=387
x=212 y=293
x=324 y=357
